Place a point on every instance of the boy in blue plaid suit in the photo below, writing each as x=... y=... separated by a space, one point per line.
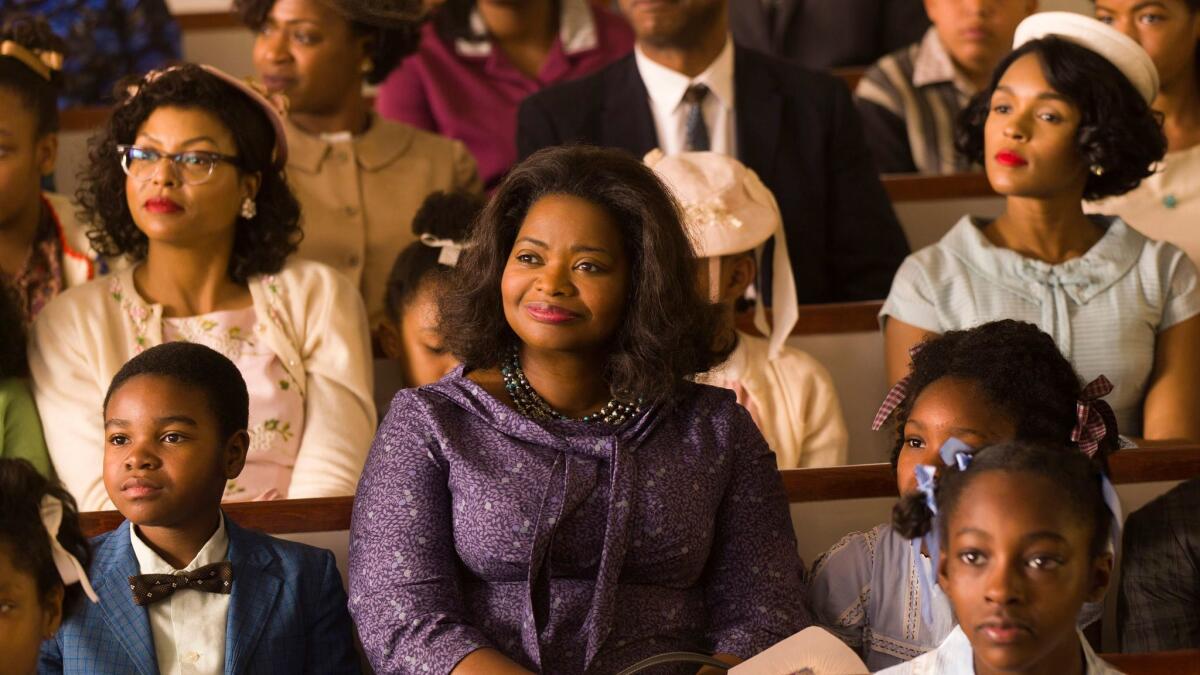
x=183 y=588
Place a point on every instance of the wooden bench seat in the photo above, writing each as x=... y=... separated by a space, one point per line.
x=332 y=514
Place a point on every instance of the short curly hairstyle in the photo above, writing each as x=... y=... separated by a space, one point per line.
x=386 y=46
x=1016 y=366
x=261 y=245
x=39 y=95
x=1118 y=131
x=197 y=367
x=668 y=329
x=1075 y=476
x=25 y=539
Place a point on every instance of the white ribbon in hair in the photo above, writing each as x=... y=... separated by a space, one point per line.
x=450 y=249
x=68 y=565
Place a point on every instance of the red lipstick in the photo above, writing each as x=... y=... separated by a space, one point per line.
x=553 y=314
x=162 y=205
x=1010 y=158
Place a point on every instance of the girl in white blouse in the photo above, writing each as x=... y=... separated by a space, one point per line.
x=202 y=211
x=1067 y=117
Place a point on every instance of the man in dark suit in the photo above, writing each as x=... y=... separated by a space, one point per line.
x=689 y=87
x=824 y=34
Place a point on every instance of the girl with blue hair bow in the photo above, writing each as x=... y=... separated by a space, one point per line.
x=996 y=383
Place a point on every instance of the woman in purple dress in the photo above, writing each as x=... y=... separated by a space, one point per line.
x=567 y=501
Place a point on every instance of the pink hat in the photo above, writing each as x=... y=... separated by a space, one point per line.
x=728 y=210
x=274 y=106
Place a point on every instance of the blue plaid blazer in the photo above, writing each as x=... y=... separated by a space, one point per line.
x=287 y=613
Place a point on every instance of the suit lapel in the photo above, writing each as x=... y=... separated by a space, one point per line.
x=127 y=622
x=626 y=121
x=759 y=112
x=256 y=588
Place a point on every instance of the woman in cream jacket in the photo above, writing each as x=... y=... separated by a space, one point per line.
x=206 y=220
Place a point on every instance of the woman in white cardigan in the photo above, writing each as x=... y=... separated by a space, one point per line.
x=186 y=182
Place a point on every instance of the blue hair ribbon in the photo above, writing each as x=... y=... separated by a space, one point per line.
x=953 y=453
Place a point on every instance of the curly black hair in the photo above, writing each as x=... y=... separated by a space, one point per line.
x=1076 y=478
x=444 y=215
x=1017 y=367
x=12 y=339
x=386 y=46
x=261 y=245
x=198 y=367
x=1117 y=131
x=668 y=330
x=38 y=94
x=24 y=538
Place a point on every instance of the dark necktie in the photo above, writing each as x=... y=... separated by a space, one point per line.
x=697 y=132
x=150 y=588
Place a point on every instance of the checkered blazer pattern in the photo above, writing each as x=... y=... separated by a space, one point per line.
x=1157 y=608
x=287 y=613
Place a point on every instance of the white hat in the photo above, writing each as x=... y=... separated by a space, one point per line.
x=1118 y=48
x=728 y=210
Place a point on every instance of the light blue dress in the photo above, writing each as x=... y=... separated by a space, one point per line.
x=865 y=591
x=1104 y=309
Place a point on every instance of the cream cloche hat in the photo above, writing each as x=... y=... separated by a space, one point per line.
x=1119 y=49
x=728 y=210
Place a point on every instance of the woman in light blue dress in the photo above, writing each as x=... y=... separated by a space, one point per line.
x=1067 y=117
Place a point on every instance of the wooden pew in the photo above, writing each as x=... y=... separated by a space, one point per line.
x=331 y=514
x=1182 y=662
x=862 y=481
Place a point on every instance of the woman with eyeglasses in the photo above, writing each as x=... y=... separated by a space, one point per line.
x=186 y=182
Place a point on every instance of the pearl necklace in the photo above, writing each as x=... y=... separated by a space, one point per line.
x=531 y=404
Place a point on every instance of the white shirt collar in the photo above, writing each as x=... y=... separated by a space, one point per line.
x=216 y=549
x=576 y=31
x=954 y=655
x=667 y=87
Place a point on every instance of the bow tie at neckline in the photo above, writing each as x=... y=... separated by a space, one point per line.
x=150 y=588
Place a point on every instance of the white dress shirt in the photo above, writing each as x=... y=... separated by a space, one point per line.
x=188 y=627
x=667 y=87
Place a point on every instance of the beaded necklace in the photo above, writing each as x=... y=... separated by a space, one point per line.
x=531 y=404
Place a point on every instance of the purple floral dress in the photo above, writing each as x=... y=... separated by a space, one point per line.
x=570 y=547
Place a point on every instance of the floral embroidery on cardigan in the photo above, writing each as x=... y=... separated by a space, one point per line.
x=137 y=312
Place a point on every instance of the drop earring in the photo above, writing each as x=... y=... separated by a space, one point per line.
x=1096 y=170
x=249 y=209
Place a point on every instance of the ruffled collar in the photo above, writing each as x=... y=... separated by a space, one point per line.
x=1081 y=279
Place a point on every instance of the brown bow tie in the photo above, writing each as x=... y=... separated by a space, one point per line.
x=150 y=588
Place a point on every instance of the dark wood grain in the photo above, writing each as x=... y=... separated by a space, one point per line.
x=906 y=188
x=845 y=317
x=208 y=21
x=1183 y=662
x=802 y=485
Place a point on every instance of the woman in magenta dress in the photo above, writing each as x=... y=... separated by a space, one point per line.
x=479 y=59
x=567 y=501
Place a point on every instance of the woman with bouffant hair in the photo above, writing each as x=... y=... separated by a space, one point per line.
x=186 y=183
x=568 y=493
